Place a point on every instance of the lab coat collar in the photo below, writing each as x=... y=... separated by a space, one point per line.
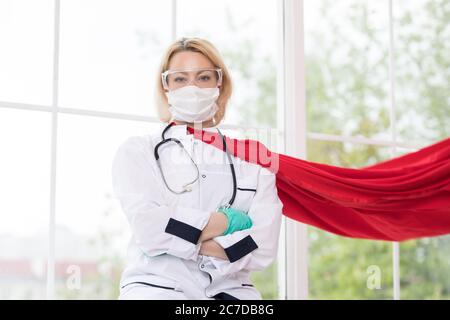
x=180 y=130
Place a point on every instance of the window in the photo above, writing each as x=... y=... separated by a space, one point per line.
x=24 y=209
x=423 y=112
x=81 y=80
x=108 y=62
x=92 y=233
x=26 y=65
x=357 y=117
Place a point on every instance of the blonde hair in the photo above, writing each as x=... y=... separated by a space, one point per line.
x=206 y=48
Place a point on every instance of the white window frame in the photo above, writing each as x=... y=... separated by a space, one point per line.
x=292 y=121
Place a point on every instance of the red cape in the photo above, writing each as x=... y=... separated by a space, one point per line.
x=403 y=198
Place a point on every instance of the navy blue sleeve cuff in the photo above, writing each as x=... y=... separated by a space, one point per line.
x=241 y=248
x=183 y=230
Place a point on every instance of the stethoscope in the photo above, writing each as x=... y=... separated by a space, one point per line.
x=188 y=186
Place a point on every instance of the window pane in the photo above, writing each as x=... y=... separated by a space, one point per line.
x=108 y=62
x=248 y=44
x=425 y=265
x=422 y=35
x=26 y=54
x=340 y=267
x=24 y=206
x=92 y=231
x=347 y=75
x=423 y=111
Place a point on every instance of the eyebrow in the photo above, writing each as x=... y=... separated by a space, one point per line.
x=185 y=72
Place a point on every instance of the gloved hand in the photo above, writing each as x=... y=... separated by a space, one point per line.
x=237 y=220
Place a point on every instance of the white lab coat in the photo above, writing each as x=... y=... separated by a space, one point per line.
x=163 y=259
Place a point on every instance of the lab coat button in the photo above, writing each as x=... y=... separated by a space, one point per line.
x=203 y=175
x=202 y=266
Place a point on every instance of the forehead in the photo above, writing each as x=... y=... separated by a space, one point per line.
x=189 y=60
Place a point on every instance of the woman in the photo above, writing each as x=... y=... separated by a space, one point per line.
x=201 y=219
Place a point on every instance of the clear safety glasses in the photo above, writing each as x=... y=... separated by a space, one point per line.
x=203 y=78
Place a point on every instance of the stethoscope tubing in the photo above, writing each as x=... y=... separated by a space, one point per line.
x=179 y=143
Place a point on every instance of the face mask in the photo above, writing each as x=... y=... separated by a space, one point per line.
x=193 y=104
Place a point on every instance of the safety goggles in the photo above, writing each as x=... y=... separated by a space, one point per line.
x=203 y=78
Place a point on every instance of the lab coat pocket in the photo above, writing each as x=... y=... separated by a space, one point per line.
x=246 y=189
x=154 y=281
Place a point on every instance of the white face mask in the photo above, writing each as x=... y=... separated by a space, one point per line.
x=193 y=104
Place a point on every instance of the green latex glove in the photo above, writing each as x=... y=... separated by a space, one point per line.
x=237 y=220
